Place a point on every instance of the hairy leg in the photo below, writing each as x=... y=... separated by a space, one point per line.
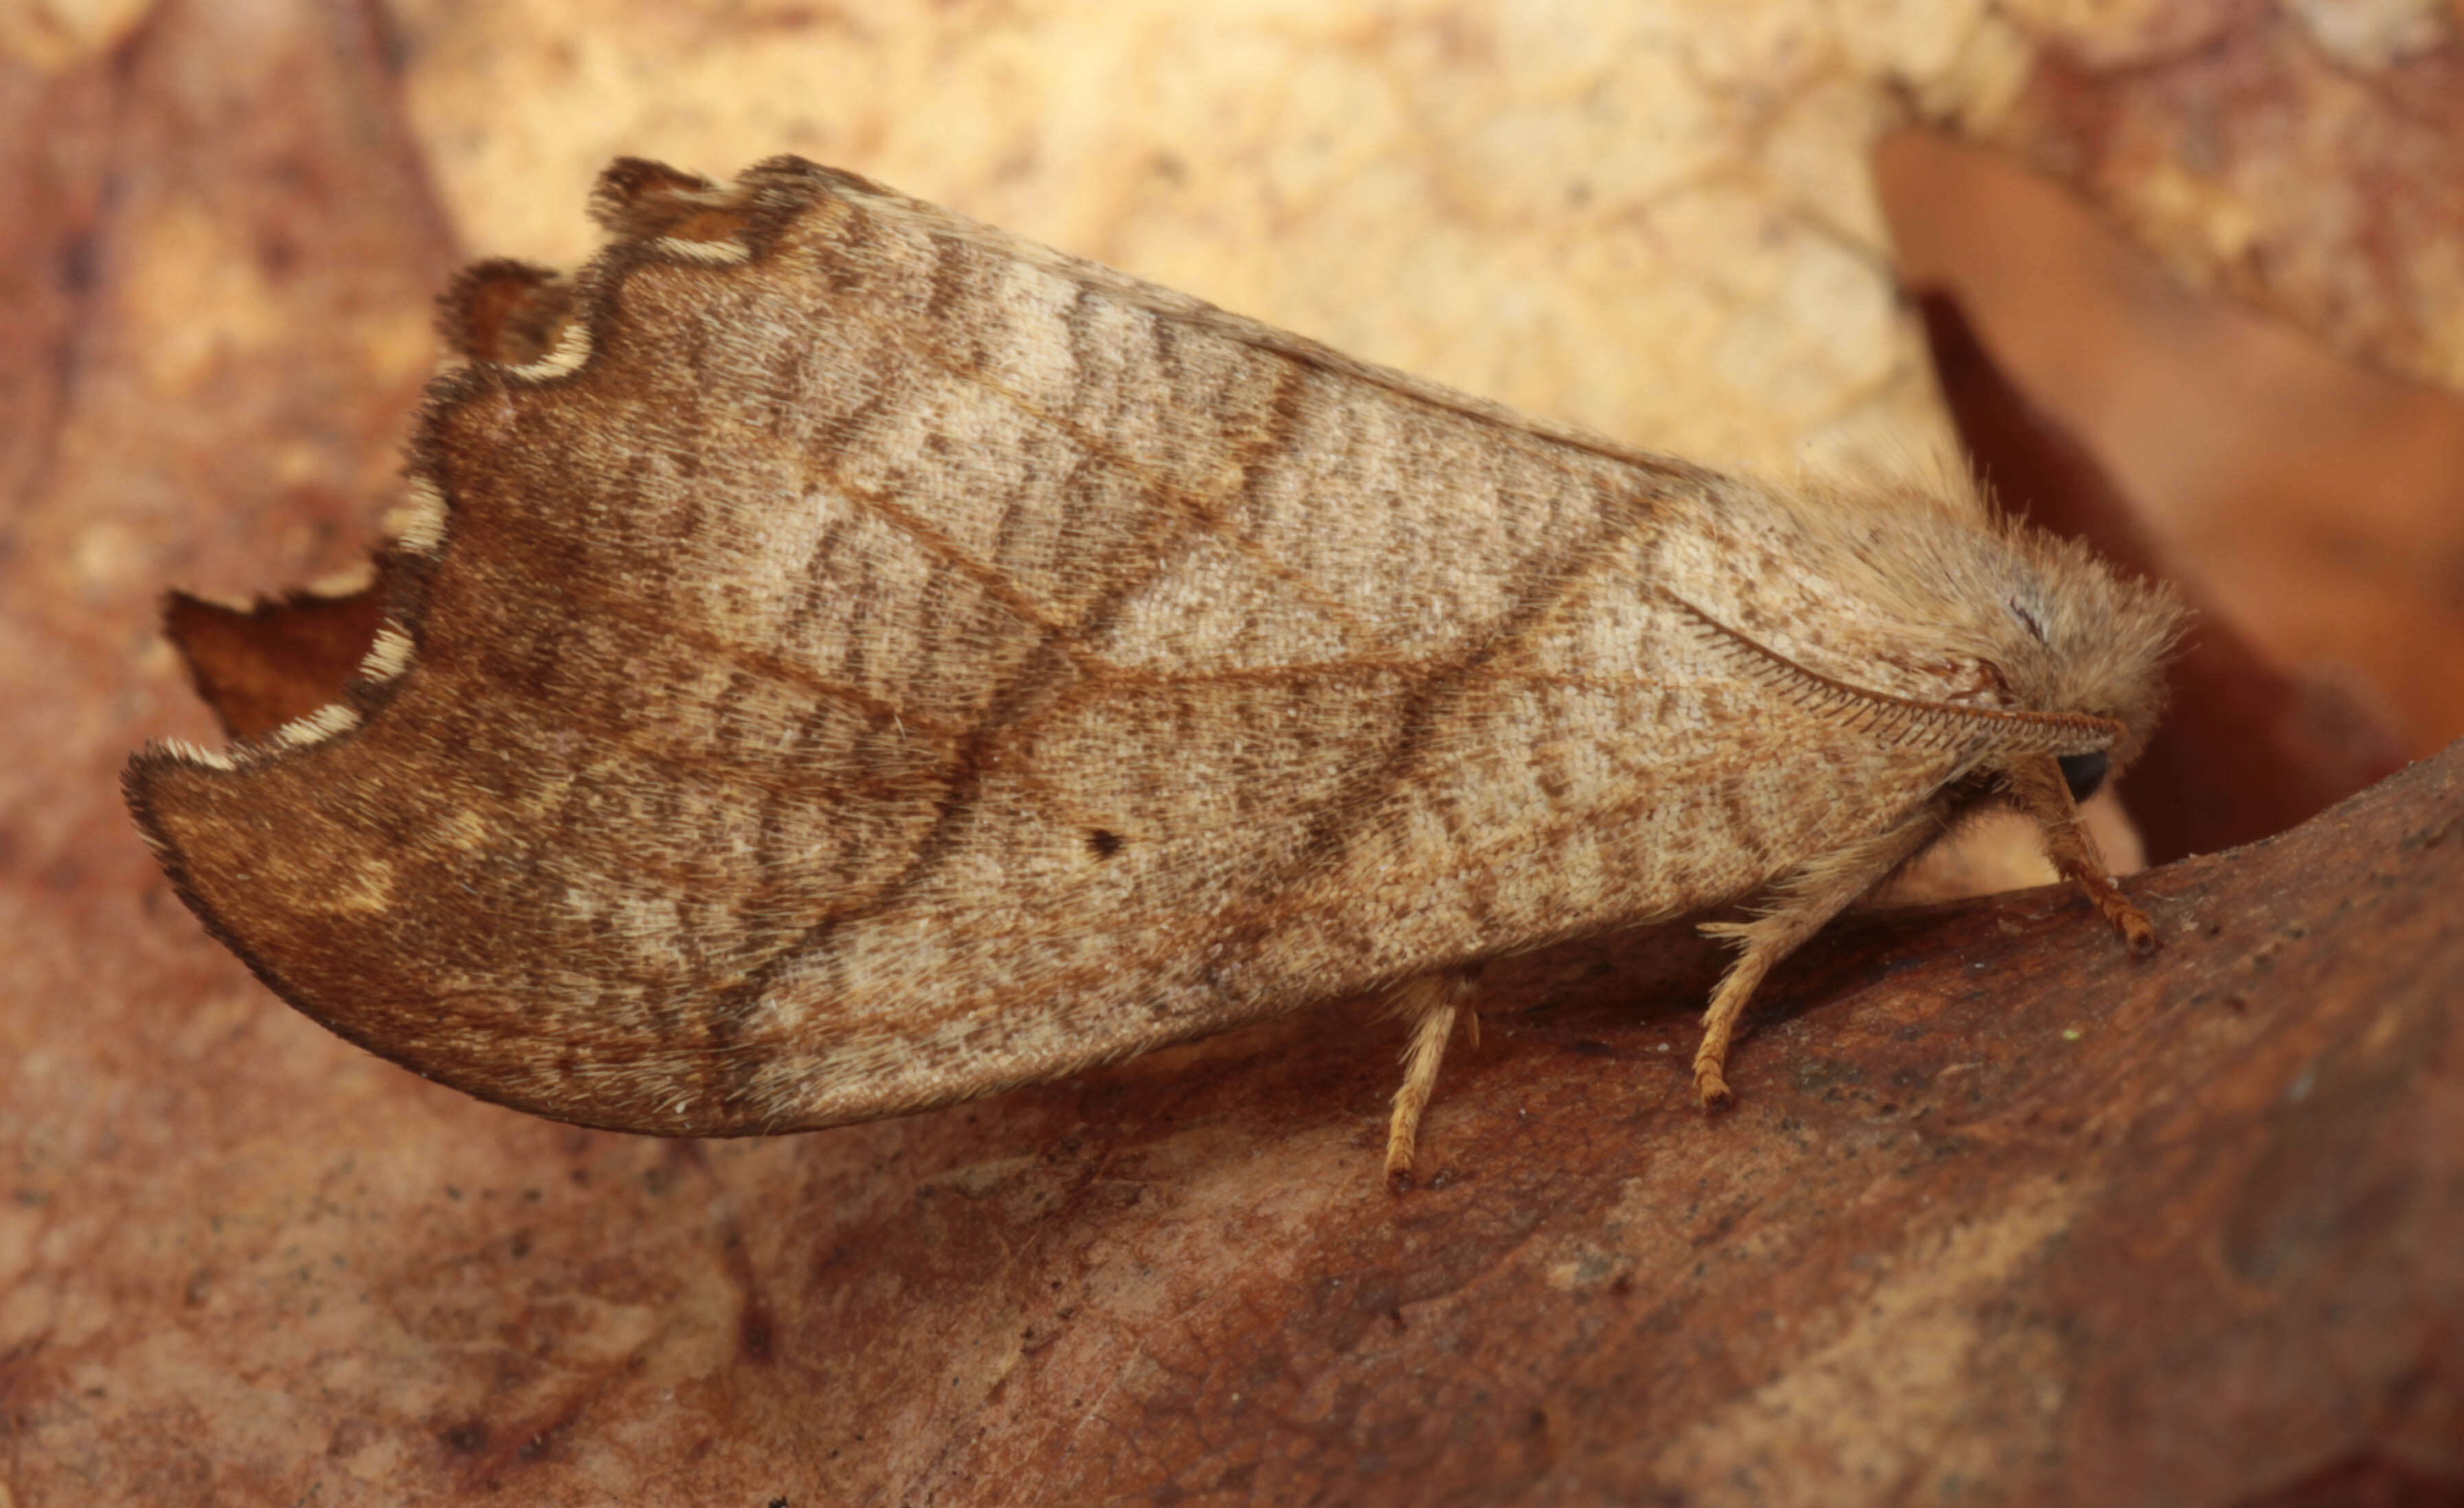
x=2037 y=788
x=1803 y=904
x=1430 y=1003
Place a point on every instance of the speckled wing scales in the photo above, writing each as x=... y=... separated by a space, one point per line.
x=849 y=660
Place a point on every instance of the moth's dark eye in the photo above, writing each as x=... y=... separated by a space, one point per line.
x=2082 y=774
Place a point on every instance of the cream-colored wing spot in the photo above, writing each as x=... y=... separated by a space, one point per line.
x=388 y=655
x=710 y=253
x=416 y=525
x=187 y=752
x=314 y=728
x=570 y=354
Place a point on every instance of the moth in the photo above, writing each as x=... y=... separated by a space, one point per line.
x=842 y=660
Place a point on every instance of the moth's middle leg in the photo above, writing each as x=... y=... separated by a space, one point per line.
x=1802 y=905
x=1430 y=1003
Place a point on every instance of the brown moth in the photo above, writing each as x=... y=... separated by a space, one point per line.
x=842 y=660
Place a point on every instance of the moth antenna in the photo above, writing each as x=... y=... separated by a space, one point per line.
x=1935 y=722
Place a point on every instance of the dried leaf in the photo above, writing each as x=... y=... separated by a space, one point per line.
x=2301 y=157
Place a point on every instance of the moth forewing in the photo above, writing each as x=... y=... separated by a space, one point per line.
x=844 y=659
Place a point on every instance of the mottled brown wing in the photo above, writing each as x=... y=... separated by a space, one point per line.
x=871 y=662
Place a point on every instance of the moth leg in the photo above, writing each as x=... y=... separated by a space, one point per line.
x=1805 y=903
x=2037 y=786
x=1431 y=1002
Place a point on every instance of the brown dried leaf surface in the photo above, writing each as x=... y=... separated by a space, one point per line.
x=2302 y=156
x=2002 y=1209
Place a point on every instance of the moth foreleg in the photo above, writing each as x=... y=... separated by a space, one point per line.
x=1430 y=1003
x=1801 y=907
x=2038 y=787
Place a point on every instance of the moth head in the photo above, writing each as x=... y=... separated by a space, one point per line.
x=2008 y=618
x=2079 y=637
